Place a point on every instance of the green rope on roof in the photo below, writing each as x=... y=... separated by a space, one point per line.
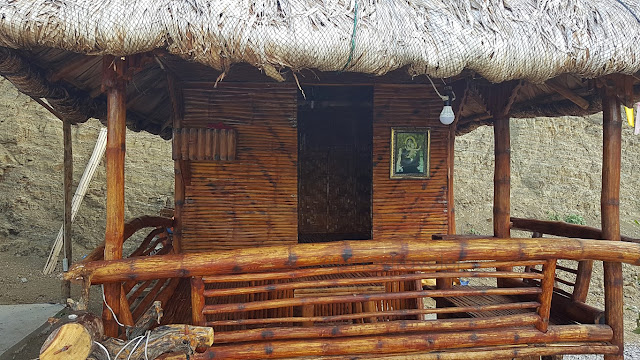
x=353 y=38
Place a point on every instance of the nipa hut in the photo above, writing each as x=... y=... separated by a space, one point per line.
x=313 y=149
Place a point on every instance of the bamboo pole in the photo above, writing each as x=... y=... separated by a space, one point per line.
x=610 y=214
x=68 y=184
x=197 y=301
x=371 y=312
x=502 y=178
x=283 y=257
x=546 y=295
x=378 y=328
x=113 y=70
x=395 y=344
x=81 y=190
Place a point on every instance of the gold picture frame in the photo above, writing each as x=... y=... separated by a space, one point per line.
x=410 y=153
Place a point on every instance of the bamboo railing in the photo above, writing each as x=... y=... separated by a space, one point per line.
x=360 y=299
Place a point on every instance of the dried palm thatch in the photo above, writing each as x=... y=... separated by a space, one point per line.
x=499 y=39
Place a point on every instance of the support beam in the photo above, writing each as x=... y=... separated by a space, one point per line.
x=115 y=87
x=180 y=167
x=610 y=212
x=68 y=196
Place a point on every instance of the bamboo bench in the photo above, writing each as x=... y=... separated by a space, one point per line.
x=248 y=297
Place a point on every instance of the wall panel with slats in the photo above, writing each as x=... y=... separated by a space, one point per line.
x=252 y=200
x=408 y=208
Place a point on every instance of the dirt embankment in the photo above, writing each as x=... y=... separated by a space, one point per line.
x=555 y=167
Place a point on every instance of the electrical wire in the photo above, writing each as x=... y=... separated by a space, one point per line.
x=110 y=309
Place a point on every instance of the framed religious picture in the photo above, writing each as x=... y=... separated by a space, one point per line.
x=410 y=153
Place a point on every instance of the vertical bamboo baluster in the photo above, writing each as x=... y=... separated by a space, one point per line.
x=216 y=144
x=113 y=70
x=549 y=272
x=197 y=301
x=609 y=205
x=67 y=185
x=208 y=150
x=184 y=144
x=583 y=279
x=223 y=144
x=201 y=143
x=193 y=144
x=231 y=145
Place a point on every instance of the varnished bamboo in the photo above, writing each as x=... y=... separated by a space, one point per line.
x=366 y=280
x=113 y=70
x=372 y=313
x=502 y=178
x=197 y=301
x=68 y=196
x=379 y=328
x=513 y=352
x=610 y=214
x=270 y=304
x=560 y=228
x=395 y=344
x=295 y=274
x=290 y=257
x=545 y=296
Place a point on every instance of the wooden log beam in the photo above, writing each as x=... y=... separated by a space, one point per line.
x=395 y=344
x=568 y=93
x=610 y=211
x=113 y=71
x=68 y=196
x=283 y=257
x=563 y=229
x=379 y=328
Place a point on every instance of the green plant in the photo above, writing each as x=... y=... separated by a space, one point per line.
x=553 y=216
x=574 y=219
x=473 y=231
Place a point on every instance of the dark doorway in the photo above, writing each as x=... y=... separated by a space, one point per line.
x=335 y=127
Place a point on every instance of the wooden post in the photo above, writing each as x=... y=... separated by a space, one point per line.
x=549 y=272
x=610 y=214
x=502 y=178
x=67 y=184
x=197 y=301
x=175 y=93
x=115 y=87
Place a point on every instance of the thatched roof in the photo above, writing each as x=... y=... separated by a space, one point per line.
x=500 y=40
x=497 y=40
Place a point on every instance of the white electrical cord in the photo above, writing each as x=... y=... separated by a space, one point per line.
x=109 y=307
x=443 y=97
x=103 y=348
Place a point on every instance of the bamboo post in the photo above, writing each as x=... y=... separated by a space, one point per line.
x=197 y=301
x=81 y=190
x=175 y=93
x=113 y=70
x=502 y=178
x=67 y=184
x=545 y=297
x=609 y=205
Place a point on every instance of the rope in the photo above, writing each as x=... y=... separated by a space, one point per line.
x=629 y=10
x=353 y=37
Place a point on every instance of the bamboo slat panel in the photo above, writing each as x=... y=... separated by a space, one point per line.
x=408 y=208
x=251 y=201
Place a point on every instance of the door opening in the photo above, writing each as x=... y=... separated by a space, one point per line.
x=335 y=140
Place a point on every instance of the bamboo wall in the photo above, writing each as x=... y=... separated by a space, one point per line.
x=406 y=208
x=251 y=201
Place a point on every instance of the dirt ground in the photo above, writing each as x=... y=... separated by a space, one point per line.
x=555 y=168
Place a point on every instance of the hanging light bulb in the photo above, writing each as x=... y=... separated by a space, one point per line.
x=446 y=115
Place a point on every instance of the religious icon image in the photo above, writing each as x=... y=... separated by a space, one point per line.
x=410 y=152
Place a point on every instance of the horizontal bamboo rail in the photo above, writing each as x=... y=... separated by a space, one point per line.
x=376 y=314
x=397 y=344
x=366 y=280
x=270 y=304
x=559 y=228
x=292 y=256
x=387 y=327
x=483 y=354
